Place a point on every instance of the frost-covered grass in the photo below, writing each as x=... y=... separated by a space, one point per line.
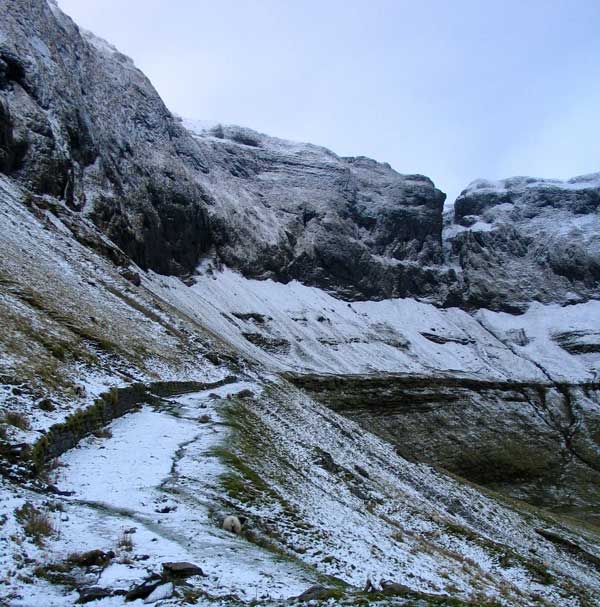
x=362 y=512
x=326 y=502
x=72 y=325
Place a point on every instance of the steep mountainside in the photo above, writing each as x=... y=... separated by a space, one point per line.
x=207 y=321
x=168 y=196
x=297 y=211
x=80 y=122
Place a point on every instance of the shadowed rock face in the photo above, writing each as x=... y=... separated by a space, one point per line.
x=539 y=442
x=78 y=121
x=7 y=147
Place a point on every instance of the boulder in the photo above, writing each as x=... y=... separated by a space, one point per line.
x=319 y=593
x=164 y=591
x=145 y=589
x=132 y=276
x=394 y=588
x=87 y=595
x=181 y=569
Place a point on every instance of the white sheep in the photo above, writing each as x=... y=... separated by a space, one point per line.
x=233 y=523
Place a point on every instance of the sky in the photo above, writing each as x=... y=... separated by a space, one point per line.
x=453 y=89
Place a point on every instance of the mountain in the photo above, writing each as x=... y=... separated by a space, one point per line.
x=201 y=321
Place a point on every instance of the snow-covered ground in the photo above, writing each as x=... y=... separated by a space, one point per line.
x=155 y=481
x=339 y=501
x=292 y=326
x=542 y=326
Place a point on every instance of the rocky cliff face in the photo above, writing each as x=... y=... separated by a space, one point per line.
x=297 y=211
x=78 y=121
x=545 y=232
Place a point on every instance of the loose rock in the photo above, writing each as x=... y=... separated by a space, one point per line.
x=181 y=569
x=87 y=595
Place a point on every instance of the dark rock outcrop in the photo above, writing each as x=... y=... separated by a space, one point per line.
x=181 y=569
x=145 y=589
x=319 y=593
x=522 y=239
x=353 y=226
x=94 y=593
x=79 y=122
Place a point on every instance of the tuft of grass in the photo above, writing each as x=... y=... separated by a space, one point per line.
x=47 y=405
x=125 y=542
x=91 y=558
x=36 y=524
x=18 y=420
x=59 y=350
x=244 y=484
x=56 y=573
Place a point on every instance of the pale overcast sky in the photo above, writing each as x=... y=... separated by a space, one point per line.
x=453 y=89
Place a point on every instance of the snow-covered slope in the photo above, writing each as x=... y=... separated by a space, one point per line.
x=326 y=502
x=299 y=328
x=507 y=401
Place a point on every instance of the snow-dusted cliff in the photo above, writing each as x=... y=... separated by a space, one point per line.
x=170 y=196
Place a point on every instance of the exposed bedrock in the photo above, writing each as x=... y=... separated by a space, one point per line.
x=520 y=240
x=79 y=122
x=536 y=442
x=353 y=226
